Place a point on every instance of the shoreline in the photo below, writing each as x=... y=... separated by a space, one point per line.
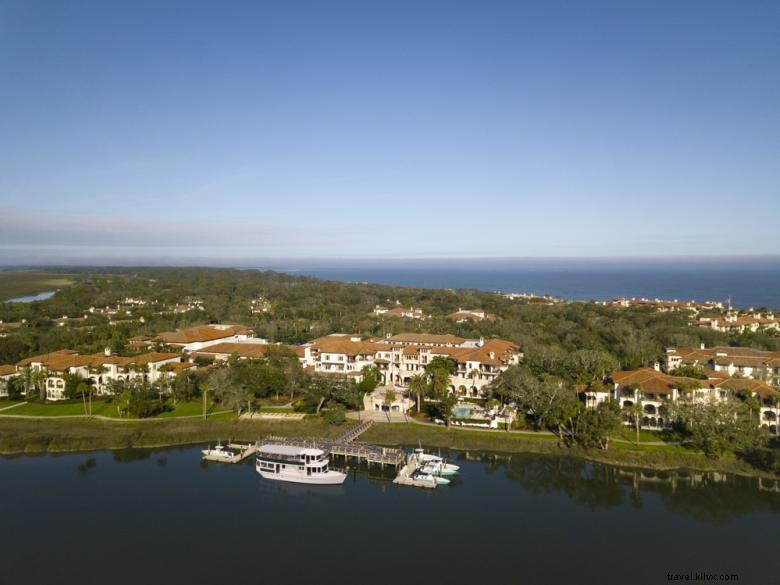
x=20 y=437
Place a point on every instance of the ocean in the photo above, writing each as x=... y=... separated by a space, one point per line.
x=748 y=282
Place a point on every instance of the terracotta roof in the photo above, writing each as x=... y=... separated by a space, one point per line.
x=347 y=347
x=179 y=367
x=757 y=386
x=203 y=333
x=723 y=355
x=7 y=370
x=62 y=360
x=247 y=350
x=654 y=382
x=425 y=338
x=45 y=357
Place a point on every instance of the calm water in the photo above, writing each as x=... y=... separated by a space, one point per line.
x=30 y=298
x=162 y=517
x=748 y=282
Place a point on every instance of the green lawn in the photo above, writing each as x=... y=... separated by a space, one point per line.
x=103 y=408
x=100 y=407
x=629 y=434
x=7 y=403
x=193 y=408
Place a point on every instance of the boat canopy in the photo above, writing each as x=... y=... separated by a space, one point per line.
x=290 y=450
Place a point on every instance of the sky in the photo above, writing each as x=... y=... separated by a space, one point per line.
x=236 y=130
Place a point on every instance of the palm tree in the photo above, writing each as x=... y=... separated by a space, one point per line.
x=418 y=384
x=637 y=411
x=474 y=374
x=39 y=381
x=27 y=375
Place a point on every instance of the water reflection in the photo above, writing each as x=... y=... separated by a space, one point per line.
x=704 y=496
x=87 y=465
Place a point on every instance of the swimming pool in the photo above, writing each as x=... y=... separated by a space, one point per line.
x=462 y=411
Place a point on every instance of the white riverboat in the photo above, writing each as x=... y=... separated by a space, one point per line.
x=296 y=464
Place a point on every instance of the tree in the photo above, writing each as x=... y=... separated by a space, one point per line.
x=418 y=385
x=474 y=375
x=335 y=414
x=228 y=390
x=371 y=379
x=27 y=377
x=637 y=411
x=594 y=426
x=39 y=381
x=717 y=428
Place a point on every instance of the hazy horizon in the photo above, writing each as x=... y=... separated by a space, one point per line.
x=485 y=262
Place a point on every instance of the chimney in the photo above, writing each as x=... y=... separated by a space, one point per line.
x=481 y=341
x=701 y=346
x=107 y=352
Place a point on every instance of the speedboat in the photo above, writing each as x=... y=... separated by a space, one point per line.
x=446 y=468
x=421 y=475
x=436 y=468
x=218 y=453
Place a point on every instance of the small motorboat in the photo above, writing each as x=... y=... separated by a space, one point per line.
x=436 y=468
x=425 y=458
x=218 y=453
x=420 y=475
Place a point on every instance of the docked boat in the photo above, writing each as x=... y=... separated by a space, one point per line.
x=296 y=464
x=428 y=458
x=436 y=468
x=218 y=453
x=421 y=475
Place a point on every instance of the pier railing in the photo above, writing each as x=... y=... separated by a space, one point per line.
x=345 y=446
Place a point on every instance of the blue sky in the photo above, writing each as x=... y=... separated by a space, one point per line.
x=396 y=129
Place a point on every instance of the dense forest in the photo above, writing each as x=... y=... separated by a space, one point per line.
x=303 y=308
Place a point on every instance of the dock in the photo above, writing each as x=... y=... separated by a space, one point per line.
x=404 y=476
x=242 y=451
x=345 y=446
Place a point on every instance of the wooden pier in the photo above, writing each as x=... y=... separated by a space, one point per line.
x=345 y=446
x=242 y=451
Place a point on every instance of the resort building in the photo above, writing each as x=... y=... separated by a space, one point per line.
x=99 y=369
x=260 y=305
x=734 y=322
x=730 y=361
x=655 y=391
x=463 y=315
x=6 y=373
x=400 y=357
x=665 y=306
x=402 y=312
x=387 y=399
x=196 y=338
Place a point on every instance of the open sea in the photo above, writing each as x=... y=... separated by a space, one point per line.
x=748 y=282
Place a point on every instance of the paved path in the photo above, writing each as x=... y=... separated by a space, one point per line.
x=12 y=406
x=395 y=417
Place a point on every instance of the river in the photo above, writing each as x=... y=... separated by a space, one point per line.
x=41 y=296
x=164 y=517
